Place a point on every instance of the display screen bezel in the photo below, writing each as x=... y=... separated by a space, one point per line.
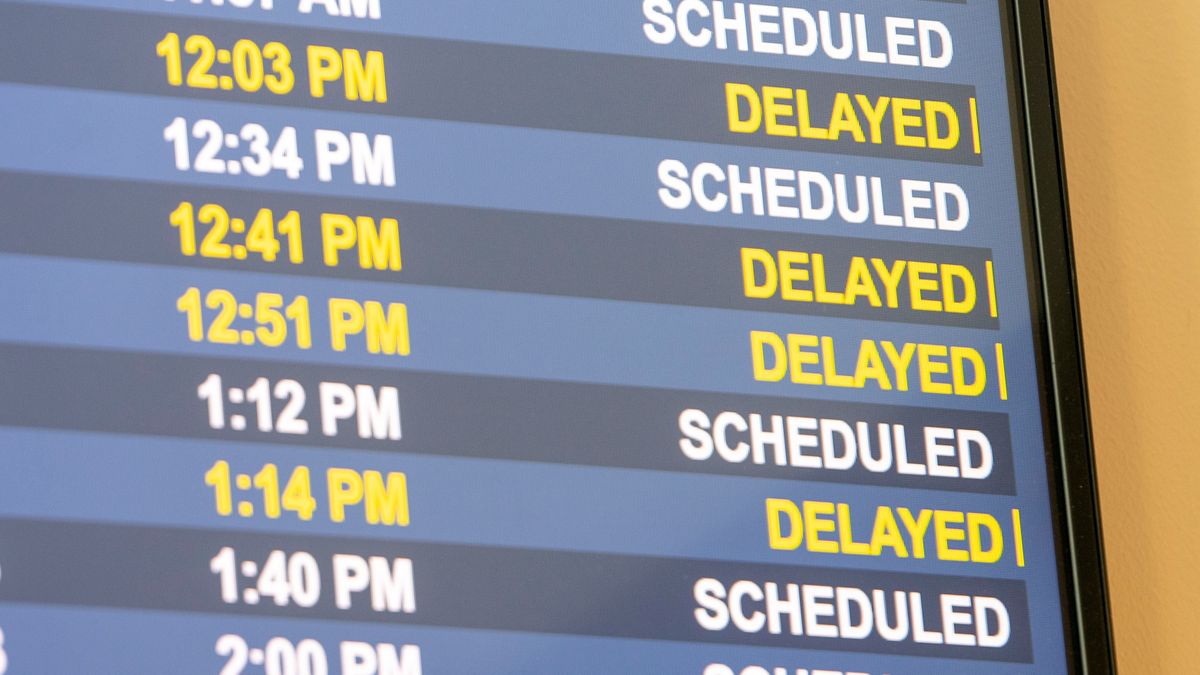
x=1070 y=465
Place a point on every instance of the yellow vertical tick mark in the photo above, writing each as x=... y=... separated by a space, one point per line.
x=991 y=279
x=975 y=125
x=1002 y=376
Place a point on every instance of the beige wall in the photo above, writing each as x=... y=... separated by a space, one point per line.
x=1129 y=83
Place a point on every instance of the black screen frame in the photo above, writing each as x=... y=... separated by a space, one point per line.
x=1088 y=632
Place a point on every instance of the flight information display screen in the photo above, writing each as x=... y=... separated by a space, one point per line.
x=422 y=337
